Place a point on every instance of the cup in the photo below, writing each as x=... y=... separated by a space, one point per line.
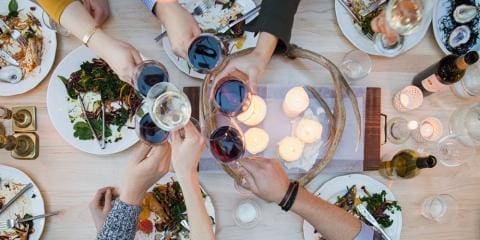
x=440 y=208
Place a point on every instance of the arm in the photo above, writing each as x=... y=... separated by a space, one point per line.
x=121 y=223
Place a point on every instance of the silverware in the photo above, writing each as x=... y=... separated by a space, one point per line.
x=102 y=143
x=16 y=35
x=250 y=13
x=366 y=214
x=84 y=111
x=5 y=56
x=12 y=222
x=10 y=74
x=19 y=194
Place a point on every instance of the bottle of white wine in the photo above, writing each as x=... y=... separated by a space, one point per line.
x=406 y=164
x=447 y=71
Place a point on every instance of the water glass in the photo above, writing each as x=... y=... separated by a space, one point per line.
x=247 y=213
x=469 y=86
x=441 y=208
x=356 y=65
x=466 y=122
x=450 y=150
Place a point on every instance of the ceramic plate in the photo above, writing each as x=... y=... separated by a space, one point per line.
x=48 y=56
x=182 y=64
x=59 y=107
x=352 y=32
x=31 y=200
x=337 y=186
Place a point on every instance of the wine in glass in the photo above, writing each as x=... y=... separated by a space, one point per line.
x=149 y=132
x=148 y=74
x=206 y=53
x=227 y=144
x=232 y=95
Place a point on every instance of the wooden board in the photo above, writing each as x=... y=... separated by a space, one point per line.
x=373 y=107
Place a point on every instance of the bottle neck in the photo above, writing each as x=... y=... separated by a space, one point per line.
x=426 y=162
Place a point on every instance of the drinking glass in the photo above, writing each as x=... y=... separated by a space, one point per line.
x=440 y=208
x=356 y=65
x=206 y=53
x=52 y=25
x=399 y=129
x=148 y=74
x=247 y=213
x=466 y=122
x=469 y=86
x=450 y=150
x=148 y=131
x=232 y=95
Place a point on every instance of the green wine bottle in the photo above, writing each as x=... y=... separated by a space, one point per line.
x=406 y=164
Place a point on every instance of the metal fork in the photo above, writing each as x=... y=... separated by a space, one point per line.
x=11 y=223
x=16 y=35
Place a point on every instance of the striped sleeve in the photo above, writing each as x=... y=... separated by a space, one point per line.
x=54 y=8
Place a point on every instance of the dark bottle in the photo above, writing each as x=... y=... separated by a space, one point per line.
x=406 y=164
x=447 y=71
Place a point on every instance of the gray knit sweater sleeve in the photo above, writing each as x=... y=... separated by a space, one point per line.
x=121 y=223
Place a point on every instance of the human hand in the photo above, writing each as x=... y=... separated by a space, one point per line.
x=182 y=28
x=148 y=165
x=99 y=9
x=186 y=150
x=266 y=178
x=101 y=205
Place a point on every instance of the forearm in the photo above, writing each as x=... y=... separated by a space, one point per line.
x=121 y=223
x=265 y=46
x=198 y=218
x=331 y=221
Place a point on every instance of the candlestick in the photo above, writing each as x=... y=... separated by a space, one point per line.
x=5 y=113
x=21 y=145
x=256 y=140
x=290 y=149
x=255 y=113
x=295 y=102
x=407 y=99
x=308 y=130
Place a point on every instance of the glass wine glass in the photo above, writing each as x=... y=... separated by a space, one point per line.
x=400 y=18
x=356 y=65
x=466 y=122
x=232 y=95
x=469 y=86
x=148 y=74
x=206 y=53
x=440 y=208
x=450 y=150
x=52 y=25
x=148 y=131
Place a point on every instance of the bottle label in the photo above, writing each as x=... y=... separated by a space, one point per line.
x=433 y=84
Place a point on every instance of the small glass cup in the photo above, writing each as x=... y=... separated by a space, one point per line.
x=148 y=74
x=441 y=208
x=206 y=53
x=247 y=213
x=399 y=129
x=232 y=95
x=469 y=86
x=356 y=65
x=52 y=25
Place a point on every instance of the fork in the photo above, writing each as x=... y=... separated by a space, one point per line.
x=16 y=35
x=12 y=222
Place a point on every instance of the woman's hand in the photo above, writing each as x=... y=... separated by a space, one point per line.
x=186 y=150
x=266 y=178
x=182 y=28
x=147 y=167
x=99 y=9
x=101 y=205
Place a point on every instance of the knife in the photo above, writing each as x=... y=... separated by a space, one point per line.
x=366 y=214
x=84 y=111
x=247 y=15
x=5 y=56
x=19 y=194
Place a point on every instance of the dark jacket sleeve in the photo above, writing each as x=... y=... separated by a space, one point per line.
x=276 y=17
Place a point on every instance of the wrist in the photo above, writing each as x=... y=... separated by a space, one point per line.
x=131 y=197
x=99 y=43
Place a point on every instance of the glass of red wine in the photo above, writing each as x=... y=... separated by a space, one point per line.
x=149 y=132
x=148 y=74
x=206 y=53
x=232 y=95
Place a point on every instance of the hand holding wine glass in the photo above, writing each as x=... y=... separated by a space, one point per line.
x=186 y=150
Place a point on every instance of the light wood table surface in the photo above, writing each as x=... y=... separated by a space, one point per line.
x=69 y=178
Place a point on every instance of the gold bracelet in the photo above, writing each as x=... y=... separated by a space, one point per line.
x=86 y=38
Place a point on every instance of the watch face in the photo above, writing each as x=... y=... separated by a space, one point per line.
x=205 y=53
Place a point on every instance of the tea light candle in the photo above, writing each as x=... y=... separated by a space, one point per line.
x=407 y=99
x=290 y=149
x=295 y=102
x=430 y=129
x=256 y=140
x=255 y=113
x=308 y=130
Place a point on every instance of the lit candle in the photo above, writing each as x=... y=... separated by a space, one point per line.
x=430 y=129
x=255 y=113
x=295 y=102
x=290 y=149
x=308 y=130
x=256 y=140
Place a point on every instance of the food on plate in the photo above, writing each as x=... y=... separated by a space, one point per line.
x=363 y=12
x=28 y=56
x=8 y=190
x=96 y=82
x=164 y=212
x=376 y=204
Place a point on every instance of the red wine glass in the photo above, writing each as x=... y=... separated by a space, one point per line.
x=148 y=74
x=232 y=95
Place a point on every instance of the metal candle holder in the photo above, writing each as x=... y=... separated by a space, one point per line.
x=24 y=118
x=22 y=145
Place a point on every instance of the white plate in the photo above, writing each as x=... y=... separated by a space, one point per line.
x=48 y=55
x=182 y=64
x=166 y=179
x=37 y=204
x=439 y=11
x=58 y=107
x=337 y=186
x=352 y=32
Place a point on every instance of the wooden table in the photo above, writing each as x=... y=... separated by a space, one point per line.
x=68 y=178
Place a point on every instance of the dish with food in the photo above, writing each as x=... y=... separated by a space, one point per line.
x=164 y=215
x=35 y=57
x=211 y=21
x=348 y=190
x=356 y=31
x=81 y=73
x=29 y=204
x=456 y=25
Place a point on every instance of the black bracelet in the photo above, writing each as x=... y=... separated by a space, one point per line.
x=291 y=200
x=287 y=194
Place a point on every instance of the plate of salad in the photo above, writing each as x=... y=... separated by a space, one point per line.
x=348 y=190
x=164 y=214
x=82 y=74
